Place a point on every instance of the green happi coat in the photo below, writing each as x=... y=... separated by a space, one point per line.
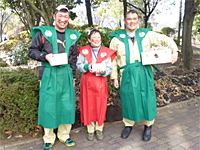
x=137 y=92
x=57 y=94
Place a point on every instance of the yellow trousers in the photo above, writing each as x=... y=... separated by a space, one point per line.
x=94 y=126
x=63 y=133
x=131 y=123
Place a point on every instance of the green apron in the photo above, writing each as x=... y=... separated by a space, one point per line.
x=57 y=94
x=137 y=92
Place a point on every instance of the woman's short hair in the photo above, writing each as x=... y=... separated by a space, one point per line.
x=93 y=31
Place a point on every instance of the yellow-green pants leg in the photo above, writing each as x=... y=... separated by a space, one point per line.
x=63 y=133
x=94 y=126
x=131 y=123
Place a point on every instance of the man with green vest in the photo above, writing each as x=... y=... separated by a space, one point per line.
x=136 y=86
x=55 y=47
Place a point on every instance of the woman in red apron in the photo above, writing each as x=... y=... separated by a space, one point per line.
x=95 y=63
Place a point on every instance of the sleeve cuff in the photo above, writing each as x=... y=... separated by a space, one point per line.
x=86 y=67
x=104 y=73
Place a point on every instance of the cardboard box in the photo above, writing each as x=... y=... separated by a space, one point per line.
x=157 y=56
x=59 y=59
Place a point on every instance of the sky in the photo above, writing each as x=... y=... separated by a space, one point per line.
x=168 y=16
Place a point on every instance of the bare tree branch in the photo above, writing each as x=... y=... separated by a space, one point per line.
x=136 y=7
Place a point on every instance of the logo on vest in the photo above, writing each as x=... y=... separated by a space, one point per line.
x=73 y=36
x=103 y=54
x=85 y=51
x=48 y=33
x=122 y=35
x=141 y=34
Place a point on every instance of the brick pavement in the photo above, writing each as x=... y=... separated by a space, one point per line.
x=177 y=127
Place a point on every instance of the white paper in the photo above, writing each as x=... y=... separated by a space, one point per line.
x=99 y=67
x=59 y=59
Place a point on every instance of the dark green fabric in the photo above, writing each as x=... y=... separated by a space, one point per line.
x=57 y=94
x=86 y=67
x=119 y=34
x=137 y=91
x=104 y=73
x=57 y=97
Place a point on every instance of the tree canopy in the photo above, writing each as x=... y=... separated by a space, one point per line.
x=146 y=7
x=33 y=12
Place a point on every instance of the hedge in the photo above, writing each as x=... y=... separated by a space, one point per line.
x=18 y=100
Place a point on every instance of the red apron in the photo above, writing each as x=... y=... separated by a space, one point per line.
x=94 y=90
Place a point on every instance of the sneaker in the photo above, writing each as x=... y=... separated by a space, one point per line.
x=99 y=135
x=90 y=136
x=69 y=142
x=47 y=146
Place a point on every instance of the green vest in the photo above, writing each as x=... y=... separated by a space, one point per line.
x=123 y=36
x=136 y=90
x=57 y=94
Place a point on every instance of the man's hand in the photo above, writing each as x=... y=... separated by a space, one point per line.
x=116 y=83
x=174 y=57
x=48 y=57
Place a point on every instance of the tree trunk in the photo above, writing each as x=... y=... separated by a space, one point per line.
x=179 y=24
x=125 y=8
x=146 y=22
x=186 y=35
x=1 y=31
x=89 y=13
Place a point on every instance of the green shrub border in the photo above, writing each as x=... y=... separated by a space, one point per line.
x=18 y=100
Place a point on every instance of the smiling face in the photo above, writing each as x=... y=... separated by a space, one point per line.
x=95 y=39
x=132 y=22
x=61 y=20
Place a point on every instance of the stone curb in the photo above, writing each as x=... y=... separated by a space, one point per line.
x=80 y=128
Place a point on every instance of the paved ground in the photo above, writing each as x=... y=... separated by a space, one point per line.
x=177 y=127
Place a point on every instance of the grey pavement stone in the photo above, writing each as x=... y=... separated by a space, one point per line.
x=177 y=148
x=187 y=144
x=163 y=147
x=196 y=140
x=195 y=147
x=150 y=145
x=176 y=127
x=127 y=147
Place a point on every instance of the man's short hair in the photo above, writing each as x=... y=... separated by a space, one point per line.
x=133 y=12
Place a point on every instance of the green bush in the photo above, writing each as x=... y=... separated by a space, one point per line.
x=18 y=100
x=24 y=36
x=167 y=31
x=19 y=55
x=9 y=45
x=3 y=63
x=84 y=36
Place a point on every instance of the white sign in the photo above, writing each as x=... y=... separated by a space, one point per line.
x=59 y=59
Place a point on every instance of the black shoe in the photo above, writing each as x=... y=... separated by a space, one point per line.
x=126 y=132
x=147 y=133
